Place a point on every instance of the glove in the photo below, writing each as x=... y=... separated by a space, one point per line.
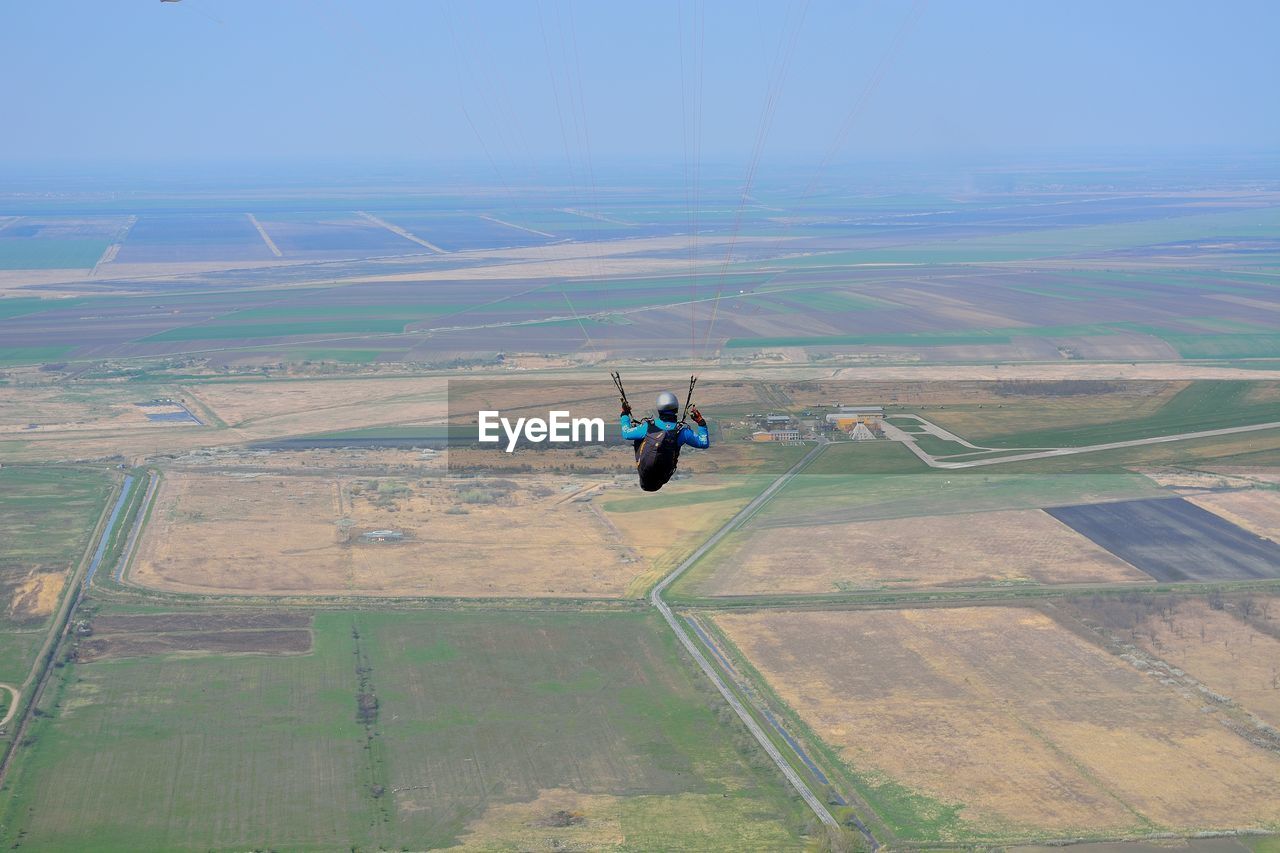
x=697 y=417
x=626 y=409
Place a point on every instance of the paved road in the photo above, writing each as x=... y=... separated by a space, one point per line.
x=934 y=462
x=682 y=635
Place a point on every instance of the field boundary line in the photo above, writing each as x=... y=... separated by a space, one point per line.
x=401 y=232
x=266 y=238
x=518 y=227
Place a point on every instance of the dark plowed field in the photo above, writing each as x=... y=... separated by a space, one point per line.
x=1173 y=540
x=195 y=642
x=158 y=623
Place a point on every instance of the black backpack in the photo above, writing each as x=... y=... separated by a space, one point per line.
x=657 y=455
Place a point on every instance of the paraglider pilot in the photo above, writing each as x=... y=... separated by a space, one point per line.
x=658 y=440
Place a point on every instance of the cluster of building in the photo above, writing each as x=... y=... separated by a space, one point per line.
x=859 y=423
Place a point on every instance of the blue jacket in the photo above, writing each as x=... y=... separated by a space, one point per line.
x=693 y=436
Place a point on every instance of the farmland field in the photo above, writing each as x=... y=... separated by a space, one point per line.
x=280 y=534
x=170 y=237
x=47 y=516
x=966 y=723
x=1230 y=646
x=1173 y=539
x=1003 y=547
x=282 y=752
x=1256 y=510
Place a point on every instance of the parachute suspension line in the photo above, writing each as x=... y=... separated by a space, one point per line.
x=581 y=325
x=570 y=162
x=577 y=158
x=617 y=383
x=691 y=126
x=855 y=110
x=693 y=380
x=776 y=79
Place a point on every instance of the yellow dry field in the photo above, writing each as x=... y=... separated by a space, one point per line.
x=279 y=534
x=340 y=460
x=1222 y=652
x=1255 y=510
x=37 y=594
x=607 y=822
x=1000 y=710
x=1013 y=546
x=295 y=406
x=27 y=412
x=665 y=535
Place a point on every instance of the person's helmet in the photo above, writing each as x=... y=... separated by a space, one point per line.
x=668 y=406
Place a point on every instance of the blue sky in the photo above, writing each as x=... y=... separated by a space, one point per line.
x=91 y=81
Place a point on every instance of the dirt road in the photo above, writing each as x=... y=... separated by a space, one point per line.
x=14 y=696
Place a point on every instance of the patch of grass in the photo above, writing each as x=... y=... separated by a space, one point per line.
x=22 y=306
x=346 y=356
x=1202 y=405
x=747 y=489
x=47 y=515
x=837 y=301
x=865 y=457
x=358 y=745
x=253 y=331
x=817 y=499
x=1057 y=242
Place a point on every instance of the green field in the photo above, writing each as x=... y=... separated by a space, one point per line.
x=473 y=711
x=32 y=355
x=251 y=332
x=1202 y=405
x=51 y=253
x=47 y=516
x=1060 y=241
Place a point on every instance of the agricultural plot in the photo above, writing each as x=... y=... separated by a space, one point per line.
x=355 y=744
x=244 y=632
x=666 y=527
x=47 y=517
x=983 y=549
x=336 y=235
x=462 y=231
x=1194 y=407
x=1255 y=510
x=987 y=723
x=52 y=409
x=293 y=407
x=1229 y=647
x=167 y=238
x=56 y=242
x=875 y=480
x=1174 y=540
x=306 y=535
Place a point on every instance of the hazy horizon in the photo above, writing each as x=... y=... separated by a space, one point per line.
x=521 y=88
